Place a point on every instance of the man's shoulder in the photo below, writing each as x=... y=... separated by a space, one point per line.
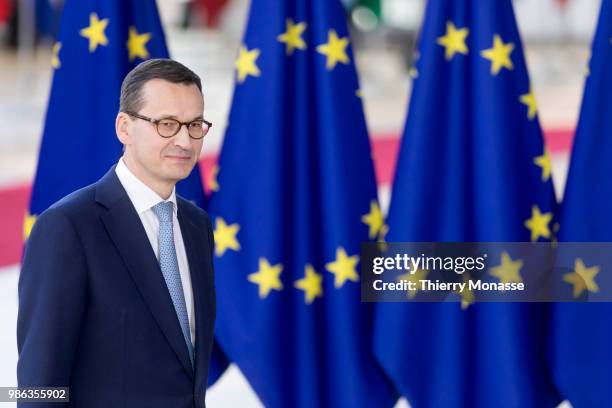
x=75 y=205
x=64 y=215
x=75 y=201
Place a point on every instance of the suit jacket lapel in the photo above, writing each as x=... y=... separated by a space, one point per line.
x=127 y=232
x=196 y=248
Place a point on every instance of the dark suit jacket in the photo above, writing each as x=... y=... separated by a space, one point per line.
x=95 y=314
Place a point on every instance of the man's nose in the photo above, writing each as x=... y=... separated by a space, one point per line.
x=182 y=138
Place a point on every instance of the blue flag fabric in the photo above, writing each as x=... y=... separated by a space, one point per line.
x=582 y=333
x=99 y=42
x=471 y=168
x=296 y=198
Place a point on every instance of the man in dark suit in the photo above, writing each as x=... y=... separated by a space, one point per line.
x=116 y=292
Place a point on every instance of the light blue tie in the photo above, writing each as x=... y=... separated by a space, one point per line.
x=170 y=269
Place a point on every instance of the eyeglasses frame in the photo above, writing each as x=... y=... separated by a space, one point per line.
x=181 y=124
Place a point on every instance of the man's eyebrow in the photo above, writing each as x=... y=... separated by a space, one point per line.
x=199 y=117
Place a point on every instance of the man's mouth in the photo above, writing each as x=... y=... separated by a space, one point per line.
x=186 y=158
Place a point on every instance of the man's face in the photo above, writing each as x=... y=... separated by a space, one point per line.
x=157 y=160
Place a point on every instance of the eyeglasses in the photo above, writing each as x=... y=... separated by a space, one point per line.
x=168 y=127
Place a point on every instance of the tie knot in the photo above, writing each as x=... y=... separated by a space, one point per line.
x=163 y=210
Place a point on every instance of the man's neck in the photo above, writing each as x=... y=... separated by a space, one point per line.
x=164 y=190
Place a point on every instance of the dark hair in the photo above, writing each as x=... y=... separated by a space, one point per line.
x=160 y=68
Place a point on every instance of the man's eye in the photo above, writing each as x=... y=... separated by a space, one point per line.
x=195 y=125
x=167 y=123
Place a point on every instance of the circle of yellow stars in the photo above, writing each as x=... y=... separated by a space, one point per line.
x=344 y=267
x=95 y=34
x=268 y=276
x=334 y=50
x=454 y=42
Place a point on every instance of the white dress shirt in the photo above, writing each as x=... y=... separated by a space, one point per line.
x=144 y=199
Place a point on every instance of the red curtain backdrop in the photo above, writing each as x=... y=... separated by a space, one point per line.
x=5 y=10
x=211 y=10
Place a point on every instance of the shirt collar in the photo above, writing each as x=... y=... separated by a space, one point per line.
x=141 y=195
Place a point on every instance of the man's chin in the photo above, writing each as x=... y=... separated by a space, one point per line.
x=178 y=173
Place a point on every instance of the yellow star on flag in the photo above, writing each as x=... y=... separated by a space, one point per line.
x=508 y=271
x=246 y=64
x=310 y=284
x=213 y=183
x=415 y=277
x=267 y=277
x=543 y=161
x=499 y=55
x=467 y=296
x=55 y=60
x=344 y=268
x=225 y=237
x=292 y=37
x=538 y=224
x=529 y=100
x=582 y=278
x=28 y=224
x=137 y=44
x=95 y=32
x=374 y=220
x=454 y=41
x=334 y=50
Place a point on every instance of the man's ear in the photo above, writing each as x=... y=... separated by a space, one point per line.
x=122 y=128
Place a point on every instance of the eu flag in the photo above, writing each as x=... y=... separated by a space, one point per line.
x=296 y=197
x=98 y=43
x=471 y=168
x=582 y=332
